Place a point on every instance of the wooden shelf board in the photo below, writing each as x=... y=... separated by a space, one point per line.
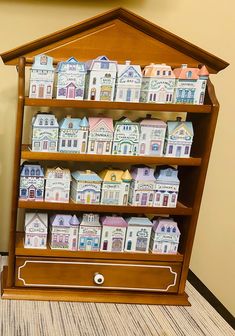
x=91 y=104
x=42 y=205
x=27 y=154
x=21 y=251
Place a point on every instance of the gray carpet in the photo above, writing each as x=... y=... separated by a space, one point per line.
x=37 y=318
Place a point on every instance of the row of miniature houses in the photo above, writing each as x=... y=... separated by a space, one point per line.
x=108 y=233
x=142 y=186
x=98 y=135
x=102 y=79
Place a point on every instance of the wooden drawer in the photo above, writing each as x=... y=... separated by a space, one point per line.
x=104 y=274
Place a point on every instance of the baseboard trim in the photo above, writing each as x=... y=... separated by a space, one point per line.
x=211 y=298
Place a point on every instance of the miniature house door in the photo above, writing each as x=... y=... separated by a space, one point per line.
x=32 y=192
x=144 y=199
x=178 y=151
x=128 y=95
x=45 y=145
x=165 y=200
x=41 y=91
x=93 y=93
x=71 y=91
x=100 y=147
x=117 y=244
x=89 y=244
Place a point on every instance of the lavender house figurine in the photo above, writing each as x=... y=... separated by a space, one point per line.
x=35 y=228
x=64 y=232
x=138 y=234
x=70 y=83
x=41 y=77
x=100 y=135
x=89 y=233
x=167 y=187
x=57 y=185
x=73 y=135
x=165 y=236
x=143 y=186
x=31 y=182
x=113 y=233
x=45 y=131
x=86 y=187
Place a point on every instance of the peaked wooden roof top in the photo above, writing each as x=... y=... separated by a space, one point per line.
x=121 y=35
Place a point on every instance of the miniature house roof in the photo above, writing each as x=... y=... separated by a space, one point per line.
x=40 y=118
x=86 y=176
x=125 y=120
x=184 y=72
x=113 y=221
x=153 y=123
x=31 y=217
x=121 y=35
x=73 y=61
x=54 y=173
x=100 y=59
x=158 y=70
x=90 y=220
x=43 y=62
x=165 y=222
x=122 y=68
x=167 y=174
x=175 y=126
x=139 y=221
x=61 y=220
x=30 y=169
x=143 y=173
x=71 y=123
x=96 y=122
x=115 y=175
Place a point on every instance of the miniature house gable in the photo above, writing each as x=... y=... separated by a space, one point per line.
x=100 y=135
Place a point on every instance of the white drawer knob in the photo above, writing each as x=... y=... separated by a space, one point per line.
x=98 y=278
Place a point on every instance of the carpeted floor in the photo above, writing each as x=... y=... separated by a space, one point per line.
x=37 y=318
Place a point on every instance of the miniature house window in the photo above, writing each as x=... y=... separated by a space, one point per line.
x=158 y=197
x=189 y=74
x=126 y=188
x=58 y=174
x=173 y=197
x=158 y=73
x=186 y=94
x=168 y=229
x=72 y=66
x=180 y=93
x=155 y=147
x=94 y=81
x=174 y=230
x=163 y=228
x=150 y=197
x=40 y=121
x=43 y=60
x=106 y=234
x=146 y=172
x=23 y=192
x=48 y=89
x=107 y=146
x=32 y=171
x=26 y=171
x=137 y=197
x=151 y=97
x=61 y=221
x=186 y=150
x=154 y=97
x=130 y=234
x=66 y=239
x=120 y=93
x=169 y=73
x=70 y=125
x=46 y=121
x=170 y=149
x=168 y=172
x=69 y=143
x=164 y=73
x=104 y=65
x=130 y=73
x=75 y=143
x=33 y=88
x=84 y=135
x=38 y=172
x=63 y=143
x=39 y=193
x=51 y=122
x=144 y=136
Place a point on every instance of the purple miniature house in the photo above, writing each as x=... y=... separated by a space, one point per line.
x=113 y=233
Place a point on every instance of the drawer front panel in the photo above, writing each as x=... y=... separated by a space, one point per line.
x=162 y=277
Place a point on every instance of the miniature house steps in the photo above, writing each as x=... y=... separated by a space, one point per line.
x=21 y=251
x=27 y=154
x=179 y=210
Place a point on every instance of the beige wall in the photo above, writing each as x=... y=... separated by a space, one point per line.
x=208 y=24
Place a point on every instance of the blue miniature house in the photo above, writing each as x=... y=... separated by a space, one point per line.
x=31 y=182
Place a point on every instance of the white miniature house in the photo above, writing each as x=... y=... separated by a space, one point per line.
x=41 y=77
x=100 y=135
x=86 y=187
x=31 y=182
x=100 y=80
x=89 y=233
x=73 y=135
x=70 y=83
x=45 y=132
x=138 y=234
x=57 y=185
x=165 y=236
x=64 y=232
x=35 y=228
x=128 y=82
x=113 y=233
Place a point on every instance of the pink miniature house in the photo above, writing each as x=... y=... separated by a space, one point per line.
x=100 y=135
x=113 y=233
x=57 y=185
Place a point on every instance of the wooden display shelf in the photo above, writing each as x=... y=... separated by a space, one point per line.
x=92 y=104
x=27 y=154
x=21 y=251
x=179 y=210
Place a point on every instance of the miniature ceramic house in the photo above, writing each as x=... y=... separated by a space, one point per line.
x=86 y=187
x=138 y=234
x=158 y=84
x=165 y=236
x=31 y=182
x=152 y=137
x=126 y=137
x=100 y=80
x=64 y=232
x=113 y=233
x=45 y=131
x=73 y=135
x=179 y=138
x=57 y=185
x=89 y=233
x=115 y=186
x=143 y=186
x=100 y=135
x=41 y=77
x=70 y=82
x=167 y=187
x=190 y=85
x=128 y=82
x=35 y=228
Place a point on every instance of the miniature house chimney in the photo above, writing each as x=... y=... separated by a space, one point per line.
x=148 y=116
x=128 y=62
x=184 y=66
x=178 y=119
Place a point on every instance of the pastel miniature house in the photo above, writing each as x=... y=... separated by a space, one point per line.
x=179 y=138
x=86 y=187
x=35 y=228
x=143 y=186
x=138 y=234
x=113 y=233
x=64 y=232
x=100 y=135
x=57 y=185
x=167 y=187
x=158 y=84
x=165 y=236
x=126 y=137
x=128 y=82
x=115 y=186
x=152 y=137
x=45 y=132
x=100 y=80
x=31 y=182
x=41 y=77
x=70 y=83
x=89 y=233
x=73 y=135
x=190 y=85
